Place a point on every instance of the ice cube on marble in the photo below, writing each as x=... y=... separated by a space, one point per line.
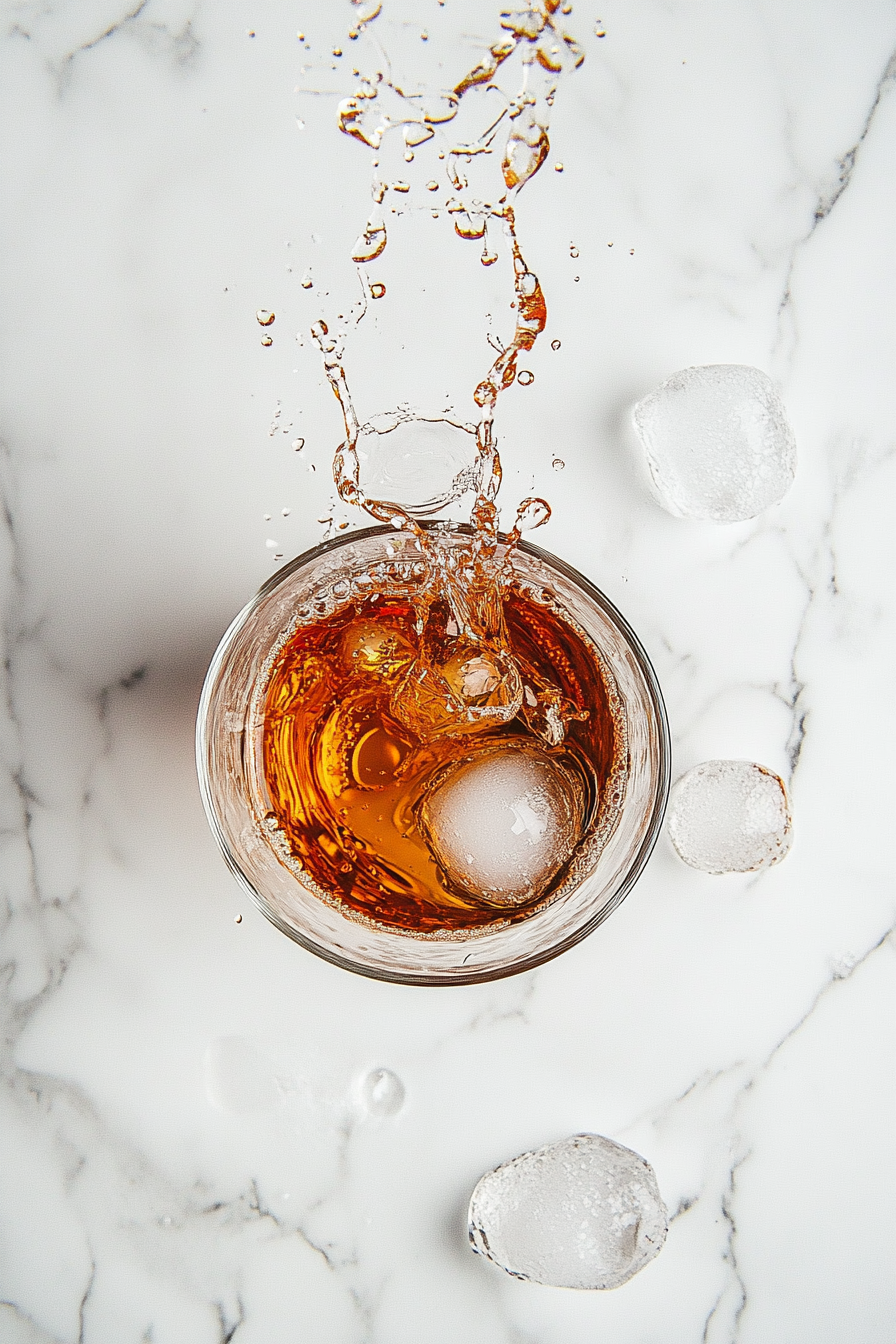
x=730 y=817
x=582 y=1213
x=718 y=442
x=503 y=824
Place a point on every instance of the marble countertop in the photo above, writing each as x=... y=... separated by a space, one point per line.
x=186 y=1153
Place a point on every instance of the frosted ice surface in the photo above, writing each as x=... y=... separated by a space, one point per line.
x=502 y=825
x=717 y=442
x=582 y=1213
x=730 y=817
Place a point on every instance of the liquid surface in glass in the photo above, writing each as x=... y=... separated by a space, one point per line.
x=349 y=780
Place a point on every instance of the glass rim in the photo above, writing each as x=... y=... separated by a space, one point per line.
x=476 y=975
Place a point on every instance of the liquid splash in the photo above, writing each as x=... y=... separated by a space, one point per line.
x=465 y=677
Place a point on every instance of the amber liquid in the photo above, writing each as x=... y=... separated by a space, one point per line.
x=345 y=779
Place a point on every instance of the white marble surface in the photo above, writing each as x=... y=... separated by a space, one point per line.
x=186 y=1154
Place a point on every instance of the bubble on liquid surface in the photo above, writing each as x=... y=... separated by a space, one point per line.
x=717 y=441
x=382 y=1092
x=238 y=1077
x=582 y=1213
x=419 y=464
x=730 y=817
x=502 y=824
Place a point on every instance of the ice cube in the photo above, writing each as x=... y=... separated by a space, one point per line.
x=718 y=443
x=582 y=1213
x=730 y=817
x=503 y=823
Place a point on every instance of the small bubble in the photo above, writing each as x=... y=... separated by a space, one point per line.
x=558 y=464
x=298 y=444
x=267 y=340
x=558 y=167
x=525 y=377
x=555 y=345
x=377 y=289
x=237 y=919
x=573 y=250
x=264 y=318
x=306 y=281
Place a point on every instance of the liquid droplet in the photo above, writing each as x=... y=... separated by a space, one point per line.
x=382 y=1092
x=488 y=258
x=558 y=464
x=306 y=281
x=370 y=244
x=264 y=317
x=267 y=340
x=377 y=290
x=237 y=919
x=298 y=444
x=432 y=186
x=558 y=167
x=525 y=377
x=573 y=250
x=555 y=345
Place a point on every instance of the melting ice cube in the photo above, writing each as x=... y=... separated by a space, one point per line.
x=730 y=817
x=582 y=1213
x=502 y=824
x=718 y=443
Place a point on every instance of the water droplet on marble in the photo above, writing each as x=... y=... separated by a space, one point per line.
x=298 y=444
x=525 y=377
x=267 y=340
x=377 y=289
x=382 y=1092
x=558 y=167
x=237 y=919
x=264 y=317
x=555 y=345
x=306 y=282
x=558 y=464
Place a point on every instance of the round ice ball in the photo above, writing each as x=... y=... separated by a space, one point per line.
x=582 y=1213
x=717 y=442
x=730 y=817
x=502 y=824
